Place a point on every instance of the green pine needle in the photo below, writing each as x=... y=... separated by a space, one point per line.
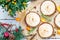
x=18 y=35
x=46 y=17
x=14 y=5
x=31 y=30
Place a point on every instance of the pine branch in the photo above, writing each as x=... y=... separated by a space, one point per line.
x=13 y=6
x=46 y=17
x=18 y=35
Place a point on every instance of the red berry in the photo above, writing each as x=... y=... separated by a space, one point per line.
x=16 y=29
x=6 y=34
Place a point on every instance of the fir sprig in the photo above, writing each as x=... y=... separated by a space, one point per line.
x=2 y=30
x=18 y=35
x=31 y=30
x=46 y=17
x=14 y=5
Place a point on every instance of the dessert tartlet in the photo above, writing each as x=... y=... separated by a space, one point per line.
x=32 y=19
x=48 y=8
x=45 y=30
x=57 y=21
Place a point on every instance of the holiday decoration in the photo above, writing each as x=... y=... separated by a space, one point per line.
x=12 y=6
x=31 y=30
x=2 y=30
x=8 y=34
x=16 y=29
x=28 y=28
x=58 y=8
x=11 y=37
x=18 y=34
x=6 y=25
x=45 y=18
x=58 y=31
x=17 y=19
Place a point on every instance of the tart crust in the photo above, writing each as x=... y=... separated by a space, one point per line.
x=52 y=30
x=53 y=3
x=55 y=21
x=27 y=23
